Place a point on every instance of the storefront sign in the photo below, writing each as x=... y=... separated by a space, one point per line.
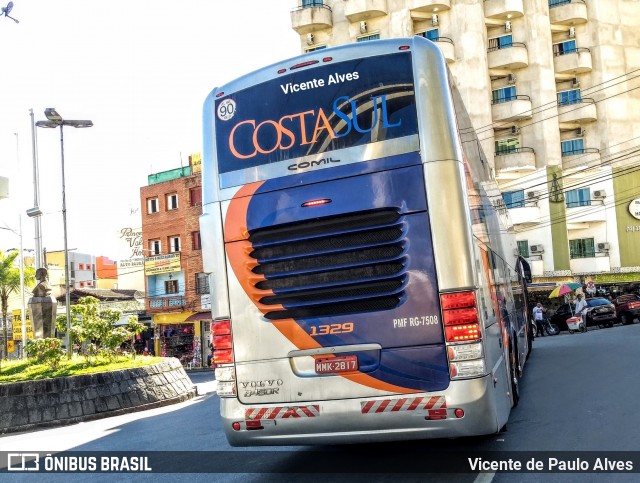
x=132 y=263
x=617 y=277
x=205 y=301
x=554 y=280
x=17 y=325
x=132 y=237
x=162 y=264
x=196 y=162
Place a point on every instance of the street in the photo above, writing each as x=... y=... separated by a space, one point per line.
x=579 y=393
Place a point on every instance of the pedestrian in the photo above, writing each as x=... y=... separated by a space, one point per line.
x=581 y=305
x=210 y=356
x=538 y=316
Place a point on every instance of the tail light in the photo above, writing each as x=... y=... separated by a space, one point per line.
x=222 y=342
x=460 y=316
x=463 y=335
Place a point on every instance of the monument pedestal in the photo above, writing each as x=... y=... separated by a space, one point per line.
x=43 y=312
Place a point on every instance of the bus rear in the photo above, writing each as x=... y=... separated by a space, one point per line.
x=336 y=227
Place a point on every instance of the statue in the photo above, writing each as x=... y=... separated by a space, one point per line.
x=42 y=289
x=43 y=307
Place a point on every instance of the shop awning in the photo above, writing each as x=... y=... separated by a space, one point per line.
x=541 y=287
x=174 y=318
x=200 y=316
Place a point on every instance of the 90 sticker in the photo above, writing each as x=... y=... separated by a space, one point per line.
x=226 y=109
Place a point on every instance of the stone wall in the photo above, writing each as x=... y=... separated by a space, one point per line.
x=25 y=406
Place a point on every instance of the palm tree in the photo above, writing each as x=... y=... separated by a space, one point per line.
x=9 y=283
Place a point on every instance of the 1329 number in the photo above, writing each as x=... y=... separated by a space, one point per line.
x=331 y=329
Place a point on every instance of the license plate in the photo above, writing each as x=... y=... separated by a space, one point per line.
x=332 y=365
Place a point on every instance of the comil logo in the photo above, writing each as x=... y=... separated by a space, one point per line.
x=23 y=462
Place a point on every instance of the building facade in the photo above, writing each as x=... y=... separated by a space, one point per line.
x=177 y=290
x=106 y=273
x=82 y=272
x=552 y=88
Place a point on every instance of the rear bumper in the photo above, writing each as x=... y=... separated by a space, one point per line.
x=601 y=319
x=343 y=421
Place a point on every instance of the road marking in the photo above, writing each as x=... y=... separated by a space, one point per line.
x=484 y=478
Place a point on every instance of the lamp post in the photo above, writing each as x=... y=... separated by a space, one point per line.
x=54 y=120
x=35 y=212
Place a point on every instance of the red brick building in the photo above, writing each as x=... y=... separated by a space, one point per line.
x=176 y=287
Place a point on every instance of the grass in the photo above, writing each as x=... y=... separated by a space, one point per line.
x=28 y=370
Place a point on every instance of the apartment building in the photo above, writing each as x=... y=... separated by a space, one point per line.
x=552 y=88
x=82 y=272
x=176 y=287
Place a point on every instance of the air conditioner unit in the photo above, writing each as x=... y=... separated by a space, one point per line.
x=603 y=247
x=533 y=195
x=536 y=249
x=507 y=26
x=515 y=129
x=599 y=194
x=434 y=19
x=309 y=39
x=511 y=79
x=572 y=31
x=363 y=27
x=575 y=82
x=581 y=131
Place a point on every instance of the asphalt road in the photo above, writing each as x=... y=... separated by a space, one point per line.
x=580 y=393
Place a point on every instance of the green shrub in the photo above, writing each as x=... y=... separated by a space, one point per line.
x=94 y=331
x=46 y=351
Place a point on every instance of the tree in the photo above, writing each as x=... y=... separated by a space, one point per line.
x=95 y=329
x=10 y=283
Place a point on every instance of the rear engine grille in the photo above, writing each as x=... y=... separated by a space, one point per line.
x=332 y=266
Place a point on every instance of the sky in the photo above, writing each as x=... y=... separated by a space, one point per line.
x=140 y=71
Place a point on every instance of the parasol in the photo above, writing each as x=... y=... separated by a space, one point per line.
x=564 y=289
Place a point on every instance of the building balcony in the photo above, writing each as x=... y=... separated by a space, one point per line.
x=581 y=159
x=359 y=10
x=516 y=160
x=511 y=56
x=595 y=264
x=525 y=216
x=567 y=12
x=423 y=9
x=579 y=217
x=311 y=17
x=515 y=108
x=445 y=44
x=578 y=112
x=159 y=304
x=573 y=62
x=503 y=9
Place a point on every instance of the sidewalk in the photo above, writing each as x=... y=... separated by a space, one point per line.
x=203 y=379
x=208 y=387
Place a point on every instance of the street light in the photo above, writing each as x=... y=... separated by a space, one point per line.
x=35 y=212
x=54 y=120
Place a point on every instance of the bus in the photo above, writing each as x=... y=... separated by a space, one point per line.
x=364 y=284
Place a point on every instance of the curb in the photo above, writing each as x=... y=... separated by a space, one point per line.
x=106 y=414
